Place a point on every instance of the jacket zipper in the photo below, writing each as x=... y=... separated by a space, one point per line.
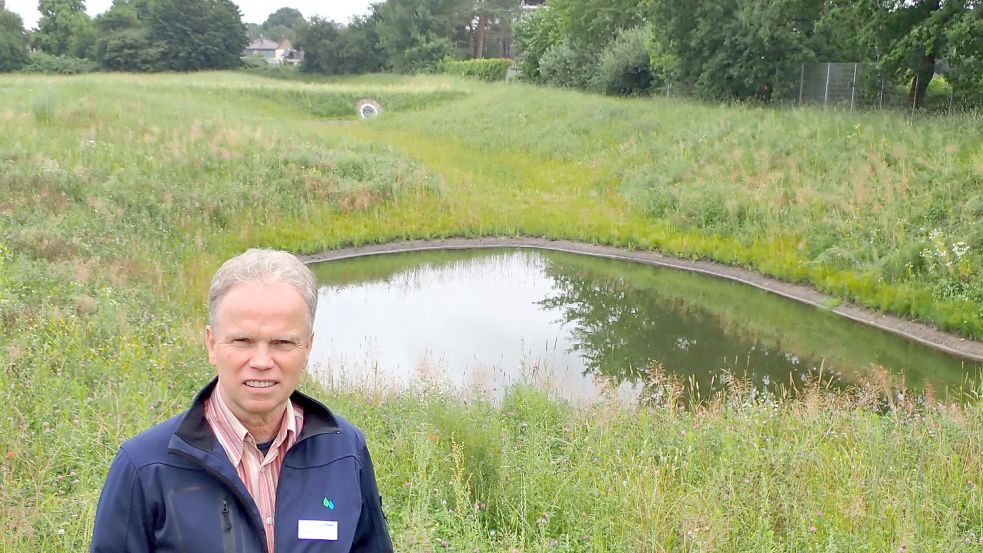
x=227 y=537
x=221 y=478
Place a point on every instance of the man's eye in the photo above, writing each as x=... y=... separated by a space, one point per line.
x=241 y=341
x=283 y=343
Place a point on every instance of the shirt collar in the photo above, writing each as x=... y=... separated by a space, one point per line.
x=195 y=431
x=232 y=425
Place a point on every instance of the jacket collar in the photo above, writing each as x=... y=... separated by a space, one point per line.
x=195 y=431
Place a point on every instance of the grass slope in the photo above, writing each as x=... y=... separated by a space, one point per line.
x=120 y=194
x=870 y=207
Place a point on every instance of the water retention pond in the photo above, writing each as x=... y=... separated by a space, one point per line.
x=486 y=319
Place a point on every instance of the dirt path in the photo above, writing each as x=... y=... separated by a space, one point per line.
x=916 y=331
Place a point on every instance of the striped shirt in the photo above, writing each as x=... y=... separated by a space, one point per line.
x=260 y=473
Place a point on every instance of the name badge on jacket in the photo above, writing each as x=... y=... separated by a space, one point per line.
x=317 y=530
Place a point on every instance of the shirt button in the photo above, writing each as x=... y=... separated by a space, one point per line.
x=269 y=520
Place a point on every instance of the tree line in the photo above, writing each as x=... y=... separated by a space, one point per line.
x=132 y=35
x=718 y=49
x=408 y=36
x=188 y=35
x=714 y=49
x=749 y=49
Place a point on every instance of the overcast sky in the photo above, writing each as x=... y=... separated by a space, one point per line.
x=253 y=11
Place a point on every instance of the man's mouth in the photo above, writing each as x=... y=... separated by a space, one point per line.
x=260 y=383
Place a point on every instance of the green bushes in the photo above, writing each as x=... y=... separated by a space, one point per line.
x=62 y=65
x=13 y=41
x=624 y=68
x=493 y=69
x=424 y=57
x=564 y=66
x=334 y=50
x=130 y=50
x=533 y=37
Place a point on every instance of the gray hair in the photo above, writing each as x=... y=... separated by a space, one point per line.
x=263 y=265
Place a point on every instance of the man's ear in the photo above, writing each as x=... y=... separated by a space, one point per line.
x=210 y=343
x=310 y=344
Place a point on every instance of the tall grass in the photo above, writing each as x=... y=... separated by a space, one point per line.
x=870 y=207
x=118 y=203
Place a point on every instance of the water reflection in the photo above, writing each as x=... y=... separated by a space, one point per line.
x=482 y=319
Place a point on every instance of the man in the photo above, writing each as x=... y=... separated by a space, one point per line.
x=253 y=465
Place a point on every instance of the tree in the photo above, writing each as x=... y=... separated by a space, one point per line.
x=491 y=18
x=254 y=31
x=121 y=15
x=13 y=41
x=964 y=55
x=739 y=49
x=284 y=23
x=124 y=42
x=907 y=39
x=333 y=49
x=593 y=23
x=624 y=66
x=360 y=51
x=417 y=34
x=285 y=17
x=920 y=34
x=131 y=50
x=320 y=40
x=570 y=34
x=197 y=34
x=534 y=36
x=64 y=28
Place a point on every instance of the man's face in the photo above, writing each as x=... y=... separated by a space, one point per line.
x=259 y=348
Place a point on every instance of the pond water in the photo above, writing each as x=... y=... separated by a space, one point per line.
x=581 y=326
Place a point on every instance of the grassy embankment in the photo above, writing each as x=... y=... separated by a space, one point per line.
x=120 y=194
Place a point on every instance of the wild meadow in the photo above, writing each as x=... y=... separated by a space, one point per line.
x=120 y=195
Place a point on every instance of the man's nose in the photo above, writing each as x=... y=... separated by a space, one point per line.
x=262 y=358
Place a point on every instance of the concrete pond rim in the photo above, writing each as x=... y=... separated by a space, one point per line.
x=912 y=330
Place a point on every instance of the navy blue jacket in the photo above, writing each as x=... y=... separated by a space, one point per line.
x=172 y=488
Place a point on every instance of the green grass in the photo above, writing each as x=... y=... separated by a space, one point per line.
x=120 y=195
x=868 y=207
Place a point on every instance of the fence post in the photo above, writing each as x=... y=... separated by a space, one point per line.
x=853 y=86
x=826 y=92
x=802 y=80
x=914 y=97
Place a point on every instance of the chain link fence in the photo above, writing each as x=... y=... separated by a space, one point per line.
x=858 y=86
x=861 y=86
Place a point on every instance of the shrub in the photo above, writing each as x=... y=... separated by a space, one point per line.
x=564 y=66
x=533 y=36
x=937 y=93
x=493 y=69
x=204 y=34
x=62 y=65
x=424 y=57
x=13 y=42
x=130 y=50
x=255 y=62
x=624 y=66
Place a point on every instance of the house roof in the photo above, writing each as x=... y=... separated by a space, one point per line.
x=262 y=43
